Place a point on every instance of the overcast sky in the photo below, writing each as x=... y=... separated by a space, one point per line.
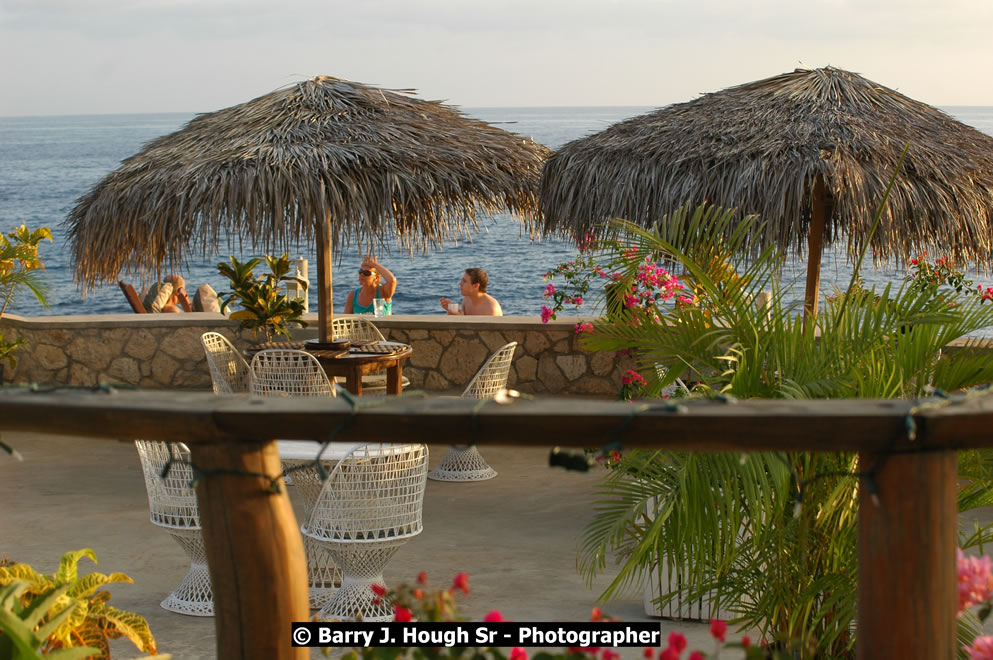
x=110 y=56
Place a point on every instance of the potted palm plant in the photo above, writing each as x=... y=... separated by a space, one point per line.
x=770 y=536
x=264 y=308
x=19 y=267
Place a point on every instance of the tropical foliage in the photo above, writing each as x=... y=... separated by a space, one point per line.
x=19 y=266
x=79 y=609
x=22 y=632
x=263 y=307
x=770 y=537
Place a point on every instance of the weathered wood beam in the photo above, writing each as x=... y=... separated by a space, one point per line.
x=760 y=425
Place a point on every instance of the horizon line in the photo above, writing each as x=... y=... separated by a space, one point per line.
x=461 y=107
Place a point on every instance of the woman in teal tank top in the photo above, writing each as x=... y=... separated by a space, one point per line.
x=375 y=281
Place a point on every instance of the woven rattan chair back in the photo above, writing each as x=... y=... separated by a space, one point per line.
x=492 y=376
x=228 y=370
x=172 y=505
x=286 y=372
x=356 y=329
x=369 y=506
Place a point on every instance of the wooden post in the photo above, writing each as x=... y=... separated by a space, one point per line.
x=907 y=583
x=258 y=570
x=815 y=248
x=325 y=298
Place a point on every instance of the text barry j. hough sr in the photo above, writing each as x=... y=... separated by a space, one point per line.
x=464 y=633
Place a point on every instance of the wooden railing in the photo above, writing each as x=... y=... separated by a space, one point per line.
x=907 y=592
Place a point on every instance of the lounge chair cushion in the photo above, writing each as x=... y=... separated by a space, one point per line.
x=157 y=296
x=205 y=299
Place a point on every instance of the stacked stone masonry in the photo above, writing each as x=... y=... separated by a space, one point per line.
x=164 y=351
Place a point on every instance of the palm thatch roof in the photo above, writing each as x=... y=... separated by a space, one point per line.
x=758 y=148
x=374 y=162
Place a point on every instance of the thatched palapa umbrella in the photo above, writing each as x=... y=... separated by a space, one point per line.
x=810 y=151
x=328 y=158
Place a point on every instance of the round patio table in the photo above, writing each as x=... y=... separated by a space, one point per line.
x=361 y=360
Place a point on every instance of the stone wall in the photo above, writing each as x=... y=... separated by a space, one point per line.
x=164 y=351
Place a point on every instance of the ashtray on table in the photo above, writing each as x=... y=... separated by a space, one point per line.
x=334 y=345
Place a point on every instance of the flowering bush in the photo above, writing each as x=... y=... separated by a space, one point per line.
x=577 y=277
x=649 y=285
x=975 y=587
x=943 y=272
x=419 y=604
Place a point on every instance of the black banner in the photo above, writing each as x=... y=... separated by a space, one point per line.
x=472 y=633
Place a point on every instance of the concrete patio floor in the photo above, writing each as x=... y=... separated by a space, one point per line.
x=515 y=535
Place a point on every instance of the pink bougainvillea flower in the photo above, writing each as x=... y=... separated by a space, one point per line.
x=546 y=314
x=378 y=589
x=696 y=655
x=677 y=641
x=422 y=578
x=461 y=582
x=975 y=580
x=584 y=327
x=648 y=652
x=981 y=648
x=401 y=614
x=517 y=653
x=718 y=629
x=493 y=617
x=746 y=641
x=549 y=290
x=669 y=654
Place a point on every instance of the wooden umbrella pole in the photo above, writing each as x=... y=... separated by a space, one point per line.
x=815 y=248
x=325 y=299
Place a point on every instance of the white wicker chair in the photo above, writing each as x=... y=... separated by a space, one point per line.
x=287 y=372
x=172 y=505
x=228 y=370
x=464 y=462
x=357 y=328
x=369 y=506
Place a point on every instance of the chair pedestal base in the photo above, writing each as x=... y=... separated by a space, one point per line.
x=361 y=568
x=462 y=463
x=323 y=574
x=193 y=596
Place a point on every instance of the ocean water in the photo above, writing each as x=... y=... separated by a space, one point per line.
x=47 y=163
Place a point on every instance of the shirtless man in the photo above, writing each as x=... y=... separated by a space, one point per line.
x=475 y=300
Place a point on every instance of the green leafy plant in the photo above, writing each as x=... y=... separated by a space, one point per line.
x=768 y=536
x=23 y=632
x=80 y=611
x=19 y=266
x=263 y=307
